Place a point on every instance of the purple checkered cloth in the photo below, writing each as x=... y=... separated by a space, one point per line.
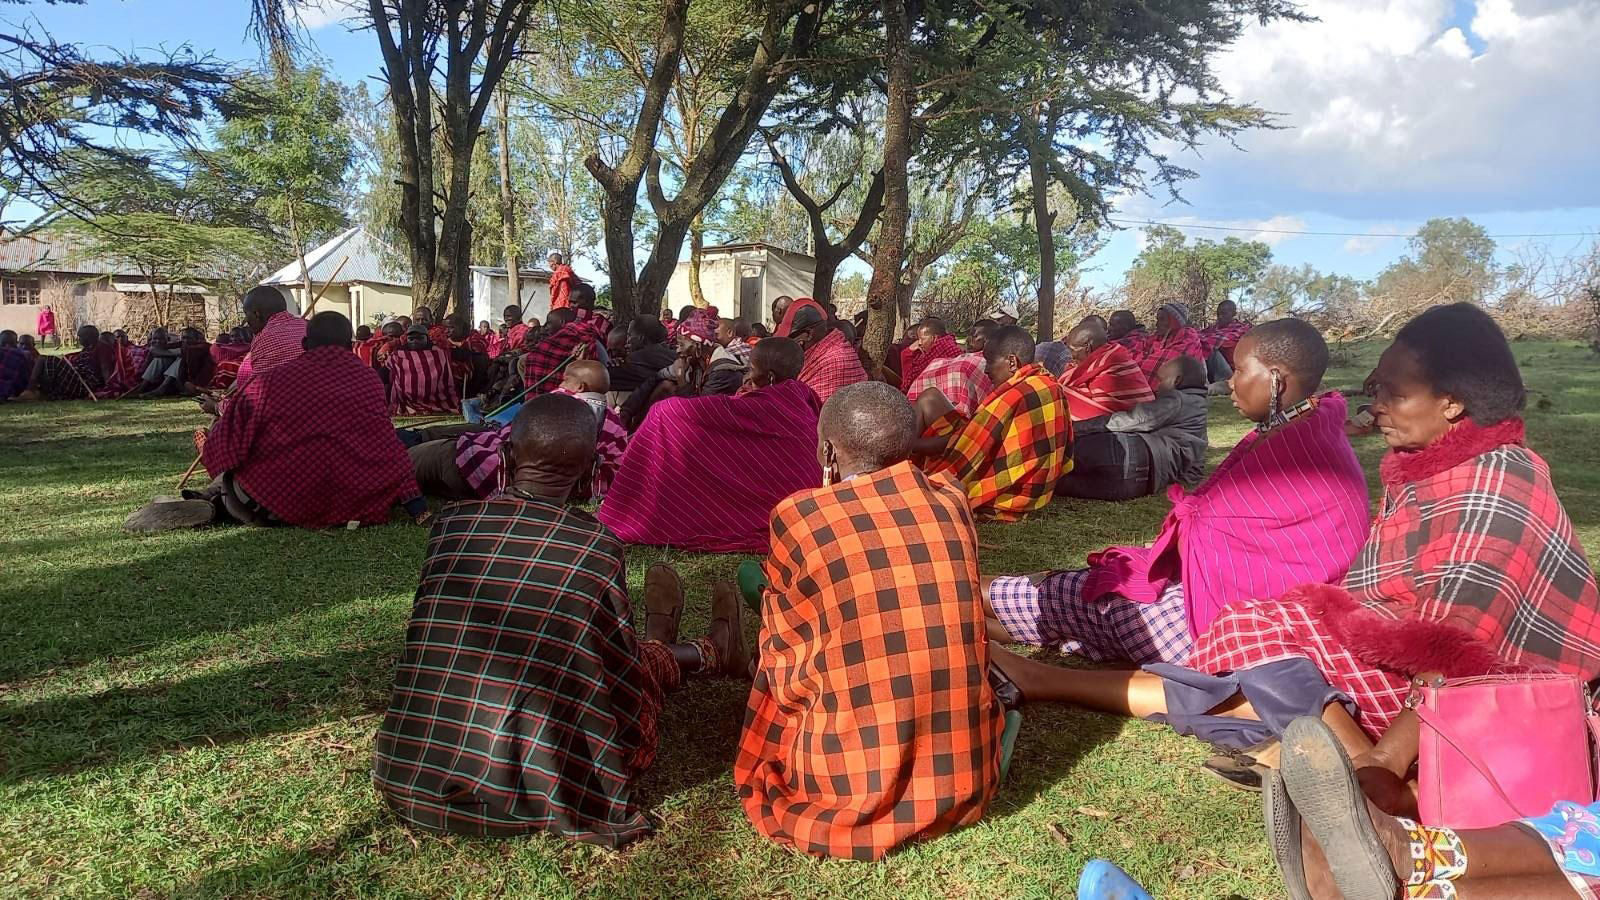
x=1110 y=629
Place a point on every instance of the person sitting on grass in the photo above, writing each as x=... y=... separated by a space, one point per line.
x=421 y=381
x=703 y=473
x=1017 y=445
x=74 y=376
x=1104 y=377
x=1144 y=449
x=933 y=342
x=523 y=700
x=1331 y=841
x=830 y=360
x=15 y=365
x=463 y=462
x=1287 y=506
x=310 y=443
x=1471 y=567
x=703 y=368
x=963 y=380
x=1220 y=339
x=871 y=722
x=1124 y=328
x=1172 y=338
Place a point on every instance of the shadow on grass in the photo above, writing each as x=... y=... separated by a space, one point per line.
x=66 y=735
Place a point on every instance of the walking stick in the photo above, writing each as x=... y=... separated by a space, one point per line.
x=81 y=380
x=325 y=285
x=188 y=473
x=524 y=392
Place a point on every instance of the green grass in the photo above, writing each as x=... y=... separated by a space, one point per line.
x=192 y=714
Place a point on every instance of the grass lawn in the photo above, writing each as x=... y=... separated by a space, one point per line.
x=191 y=714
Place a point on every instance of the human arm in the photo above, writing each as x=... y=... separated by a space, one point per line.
x=1152 y=415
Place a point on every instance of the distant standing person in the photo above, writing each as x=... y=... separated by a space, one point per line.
x=47 y=326
x=562 y=278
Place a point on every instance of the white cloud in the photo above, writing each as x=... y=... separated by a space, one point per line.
x=1380 y=238
x=315 y=14
x=1271 y=231
x=1392 y=114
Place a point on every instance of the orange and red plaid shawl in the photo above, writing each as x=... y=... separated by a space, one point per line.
x=1108 y=380
x=1015 y=448
x=871 y=721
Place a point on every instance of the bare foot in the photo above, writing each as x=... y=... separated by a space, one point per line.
x=1319 y=878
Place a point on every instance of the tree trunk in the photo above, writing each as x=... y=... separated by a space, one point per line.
x=651 y=288
x=828 y=262
x=508 y=202
x=889 y=254
x=697 y=242
x=1044 y=221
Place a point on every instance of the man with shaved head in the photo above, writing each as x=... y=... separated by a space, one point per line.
x=871 y=612
x=1017 y=445
x=1104 y=378
x=703 y=473
x=524 y=700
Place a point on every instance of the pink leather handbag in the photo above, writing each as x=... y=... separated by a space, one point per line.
x=1497 y=748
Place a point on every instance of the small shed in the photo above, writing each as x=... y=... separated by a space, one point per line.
x=358 y=275
x=491 y=293
x=743 y=279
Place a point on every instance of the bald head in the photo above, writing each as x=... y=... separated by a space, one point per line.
x=586 y=375
x=870 y=425
x=1086 y=338
x=552 y=445
x=262 y=303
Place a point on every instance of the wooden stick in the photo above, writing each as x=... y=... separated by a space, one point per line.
x=189 y=472
x=81 y=380
x=325 y=285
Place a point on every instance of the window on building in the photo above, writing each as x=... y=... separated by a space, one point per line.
x=16 y=291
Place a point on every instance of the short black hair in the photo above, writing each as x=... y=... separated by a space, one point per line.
x=741 y=329
x=363 y=332
x=1229 y=304
x=779 y=357
x=1010 y=340
x=561 y=315
x=1466 y=356
x=650 y=328
x=873 y=423
x=1126 y=315
x=88 y=334
x=558 y=429
x=1294 y=344
x=935 y=325
x=984 y=325
x=1191 y=372
x=583 y=295
x=328 y=329
x=266 y=298
x=8 y=338
x=686 y=312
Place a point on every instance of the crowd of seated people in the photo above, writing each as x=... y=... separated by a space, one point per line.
x=1274 y=614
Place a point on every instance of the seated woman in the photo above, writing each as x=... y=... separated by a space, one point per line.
x=703 y=473
x=1141 y=451
x=1287 y=506
x=1173 y=337
x=1471 y=564
x=1330 y=841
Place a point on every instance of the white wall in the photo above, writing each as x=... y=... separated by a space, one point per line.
x=782 y=274
x=491 y=295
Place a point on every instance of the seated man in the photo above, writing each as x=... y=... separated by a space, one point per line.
x=523 y=701
x=933 y=342
x=438 y=332
x=871 y=722
x=646 y=351
x=1104 y=378
x=420 y=379
x=1139 y=452
x=76 y=376
x=1219 y=340
x=462 y=462
x=279 y=334
x=469 y=354
x=703 y=473
x=703 y=368
x=1018 y=444
x=375 y=350
x=563 y=338
x=733 y=335
x=1124 y=328
x=963 y=380
x=1173 y=337
x=15 y=365
x=226 y=355
x=830 y=360
x=310 y=443
x=1288 y=506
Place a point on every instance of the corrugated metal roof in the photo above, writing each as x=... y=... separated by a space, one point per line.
x=49 y=251
x=366 y=262
x=500 y=272
x=717 y=249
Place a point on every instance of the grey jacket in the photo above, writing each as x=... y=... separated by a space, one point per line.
x=1173 y=425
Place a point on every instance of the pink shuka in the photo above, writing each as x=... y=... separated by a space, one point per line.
x=1283 y=509
x=704 y=473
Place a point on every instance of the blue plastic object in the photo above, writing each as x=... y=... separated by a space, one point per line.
x=1102 y=880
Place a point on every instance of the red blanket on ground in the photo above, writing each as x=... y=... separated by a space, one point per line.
x=703 y=473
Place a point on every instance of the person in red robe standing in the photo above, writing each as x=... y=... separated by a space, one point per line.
x=562 y=280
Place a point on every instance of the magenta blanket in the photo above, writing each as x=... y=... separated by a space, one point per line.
x=1283 y=509
x=704 y=473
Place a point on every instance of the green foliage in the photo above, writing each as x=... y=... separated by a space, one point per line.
x=1449 y=259
x=1201 y=274
x=1303 y=291
x=290 y=156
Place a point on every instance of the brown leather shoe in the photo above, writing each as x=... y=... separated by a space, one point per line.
x=663 y=604
x=727 y=610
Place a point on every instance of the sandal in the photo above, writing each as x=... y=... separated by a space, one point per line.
x=663 y=604
x=1283 y=832
x=1240 y=768
x=728 y=607
x=1322 y=784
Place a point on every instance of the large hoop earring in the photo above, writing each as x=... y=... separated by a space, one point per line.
x=503 y=477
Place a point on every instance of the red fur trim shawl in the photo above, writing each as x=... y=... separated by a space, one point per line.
x=1459 y=444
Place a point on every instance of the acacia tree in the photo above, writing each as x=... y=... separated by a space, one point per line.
x=828 y=252
x=290 y=156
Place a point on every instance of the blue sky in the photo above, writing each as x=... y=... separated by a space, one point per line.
x=1395 y=111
